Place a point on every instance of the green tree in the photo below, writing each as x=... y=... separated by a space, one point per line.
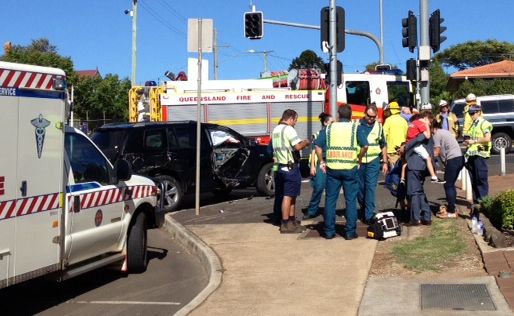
x=96 y=98
x=41 y=53
x=475 y=53
x=93 y=97
x=307 y=59
x=438 y=81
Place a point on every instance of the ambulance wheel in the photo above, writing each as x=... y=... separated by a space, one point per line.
x=136 y=245
x=399 y=230
x=266 y=181
x=172 y=193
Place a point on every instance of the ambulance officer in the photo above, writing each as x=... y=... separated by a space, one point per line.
x=339 y=141
x=370 y=138
x=479 y=150
x=285 y=142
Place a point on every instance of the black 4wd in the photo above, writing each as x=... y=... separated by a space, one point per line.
x=166 y=151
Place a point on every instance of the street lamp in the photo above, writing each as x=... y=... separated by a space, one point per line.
x=265 y=56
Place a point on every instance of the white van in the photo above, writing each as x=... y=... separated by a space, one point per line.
x=499 y=111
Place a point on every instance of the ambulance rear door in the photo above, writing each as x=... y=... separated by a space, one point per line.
x=39 y=174
x=8 y=183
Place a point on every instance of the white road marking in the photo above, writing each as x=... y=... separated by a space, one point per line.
x=125 y=303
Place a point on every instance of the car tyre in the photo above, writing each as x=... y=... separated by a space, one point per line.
x=137 y=254
x=266 y=181
x=173 y=193
x=501 y=140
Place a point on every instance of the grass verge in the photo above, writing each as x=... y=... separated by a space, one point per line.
x=430 y=253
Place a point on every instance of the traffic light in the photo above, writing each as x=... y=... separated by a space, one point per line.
x=435 y=30
x=411 y=69
x=325 y=27
x=339 y=71
x=253 y=25
x=410 y=32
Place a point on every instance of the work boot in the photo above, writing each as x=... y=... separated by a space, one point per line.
x=290 y=228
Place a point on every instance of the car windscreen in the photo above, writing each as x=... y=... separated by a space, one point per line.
x=109 y=141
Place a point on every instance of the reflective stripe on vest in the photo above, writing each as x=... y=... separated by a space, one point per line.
x=373 y=143
x=342 y=145
x=281 y=152
x=477 y=131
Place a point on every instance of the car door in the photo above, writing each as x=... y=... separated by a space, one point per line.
x=230 y=153
x=96 y=207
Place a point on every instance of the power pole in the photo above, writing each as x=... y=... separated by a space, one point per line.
x=134 y=42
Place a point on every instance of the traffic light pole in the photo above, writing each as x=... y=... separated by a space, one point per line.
x=424 y=53
x=346 y=31
x=333 y=57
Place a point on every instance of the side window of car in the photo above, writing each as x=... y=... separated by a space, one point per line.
x=506 y=105
x=172 y=140
x=155 y=140
x=183 y=136
x=224 y=138
x=87 y=163
x=490 y=107
x=134 y=141
x=458 y=109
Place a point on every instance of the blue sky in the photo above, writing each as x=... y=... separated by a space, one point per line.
x=97 y=33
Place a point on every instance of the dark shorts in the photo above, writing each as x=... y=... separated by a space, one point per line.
x=292 y=181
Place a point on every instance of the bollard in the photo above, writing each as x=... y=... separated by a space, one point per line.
x=469 y=189
x=502 y=162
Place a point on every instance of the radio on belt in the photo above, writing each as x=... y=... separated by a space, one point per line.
x=385 y=225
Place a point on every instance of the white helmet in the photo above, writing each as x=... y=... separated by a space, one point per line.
x=427 y=106
x=443 y=103
x=471 y=97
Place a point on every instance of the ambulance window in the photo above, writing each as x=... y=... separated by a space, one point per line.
x=357 y=92
x=399 y=92
x=87 y=163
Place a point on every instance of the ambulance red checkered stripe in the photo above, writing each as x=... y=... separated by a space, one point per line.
x=25 y=79
x=30 y=205
x=43 y=203
x=117 y=195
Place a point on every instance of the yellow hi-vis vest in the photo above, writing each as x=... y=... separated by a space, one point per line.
x=476 y=131
x=281 y=148
x=342 y=148
x=373 y=143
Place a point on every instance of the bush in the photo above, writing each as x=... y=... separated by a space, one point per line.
x=501 y=210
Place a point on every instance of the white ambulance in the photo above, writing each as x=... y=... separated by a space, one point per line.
x=64 y=209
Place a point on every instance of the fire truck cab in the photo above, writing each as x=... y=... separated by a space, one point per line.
x=64 y=209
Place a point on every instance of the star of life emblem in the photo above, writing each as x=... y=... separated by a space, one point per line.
x=40 y=123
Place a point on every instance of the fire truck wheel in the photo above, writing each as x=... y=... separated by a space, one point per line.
x=136 y=245
x=265 y=180
x=172 y=193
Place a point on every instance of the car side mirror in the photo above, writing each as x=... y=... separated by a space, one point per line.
x=122 y=170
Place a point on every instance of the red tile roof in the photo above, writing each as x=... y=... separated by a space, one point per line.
x=88 y=73
x=502 y=69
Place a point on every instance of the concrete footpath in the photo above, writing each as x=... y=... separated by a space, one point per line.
x=255 y=270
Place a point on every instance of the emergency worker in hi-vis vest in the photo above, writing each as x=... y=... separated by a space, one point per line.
x=371 y=140
x=479 y=150
x=339 y=142
x=286 y=147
